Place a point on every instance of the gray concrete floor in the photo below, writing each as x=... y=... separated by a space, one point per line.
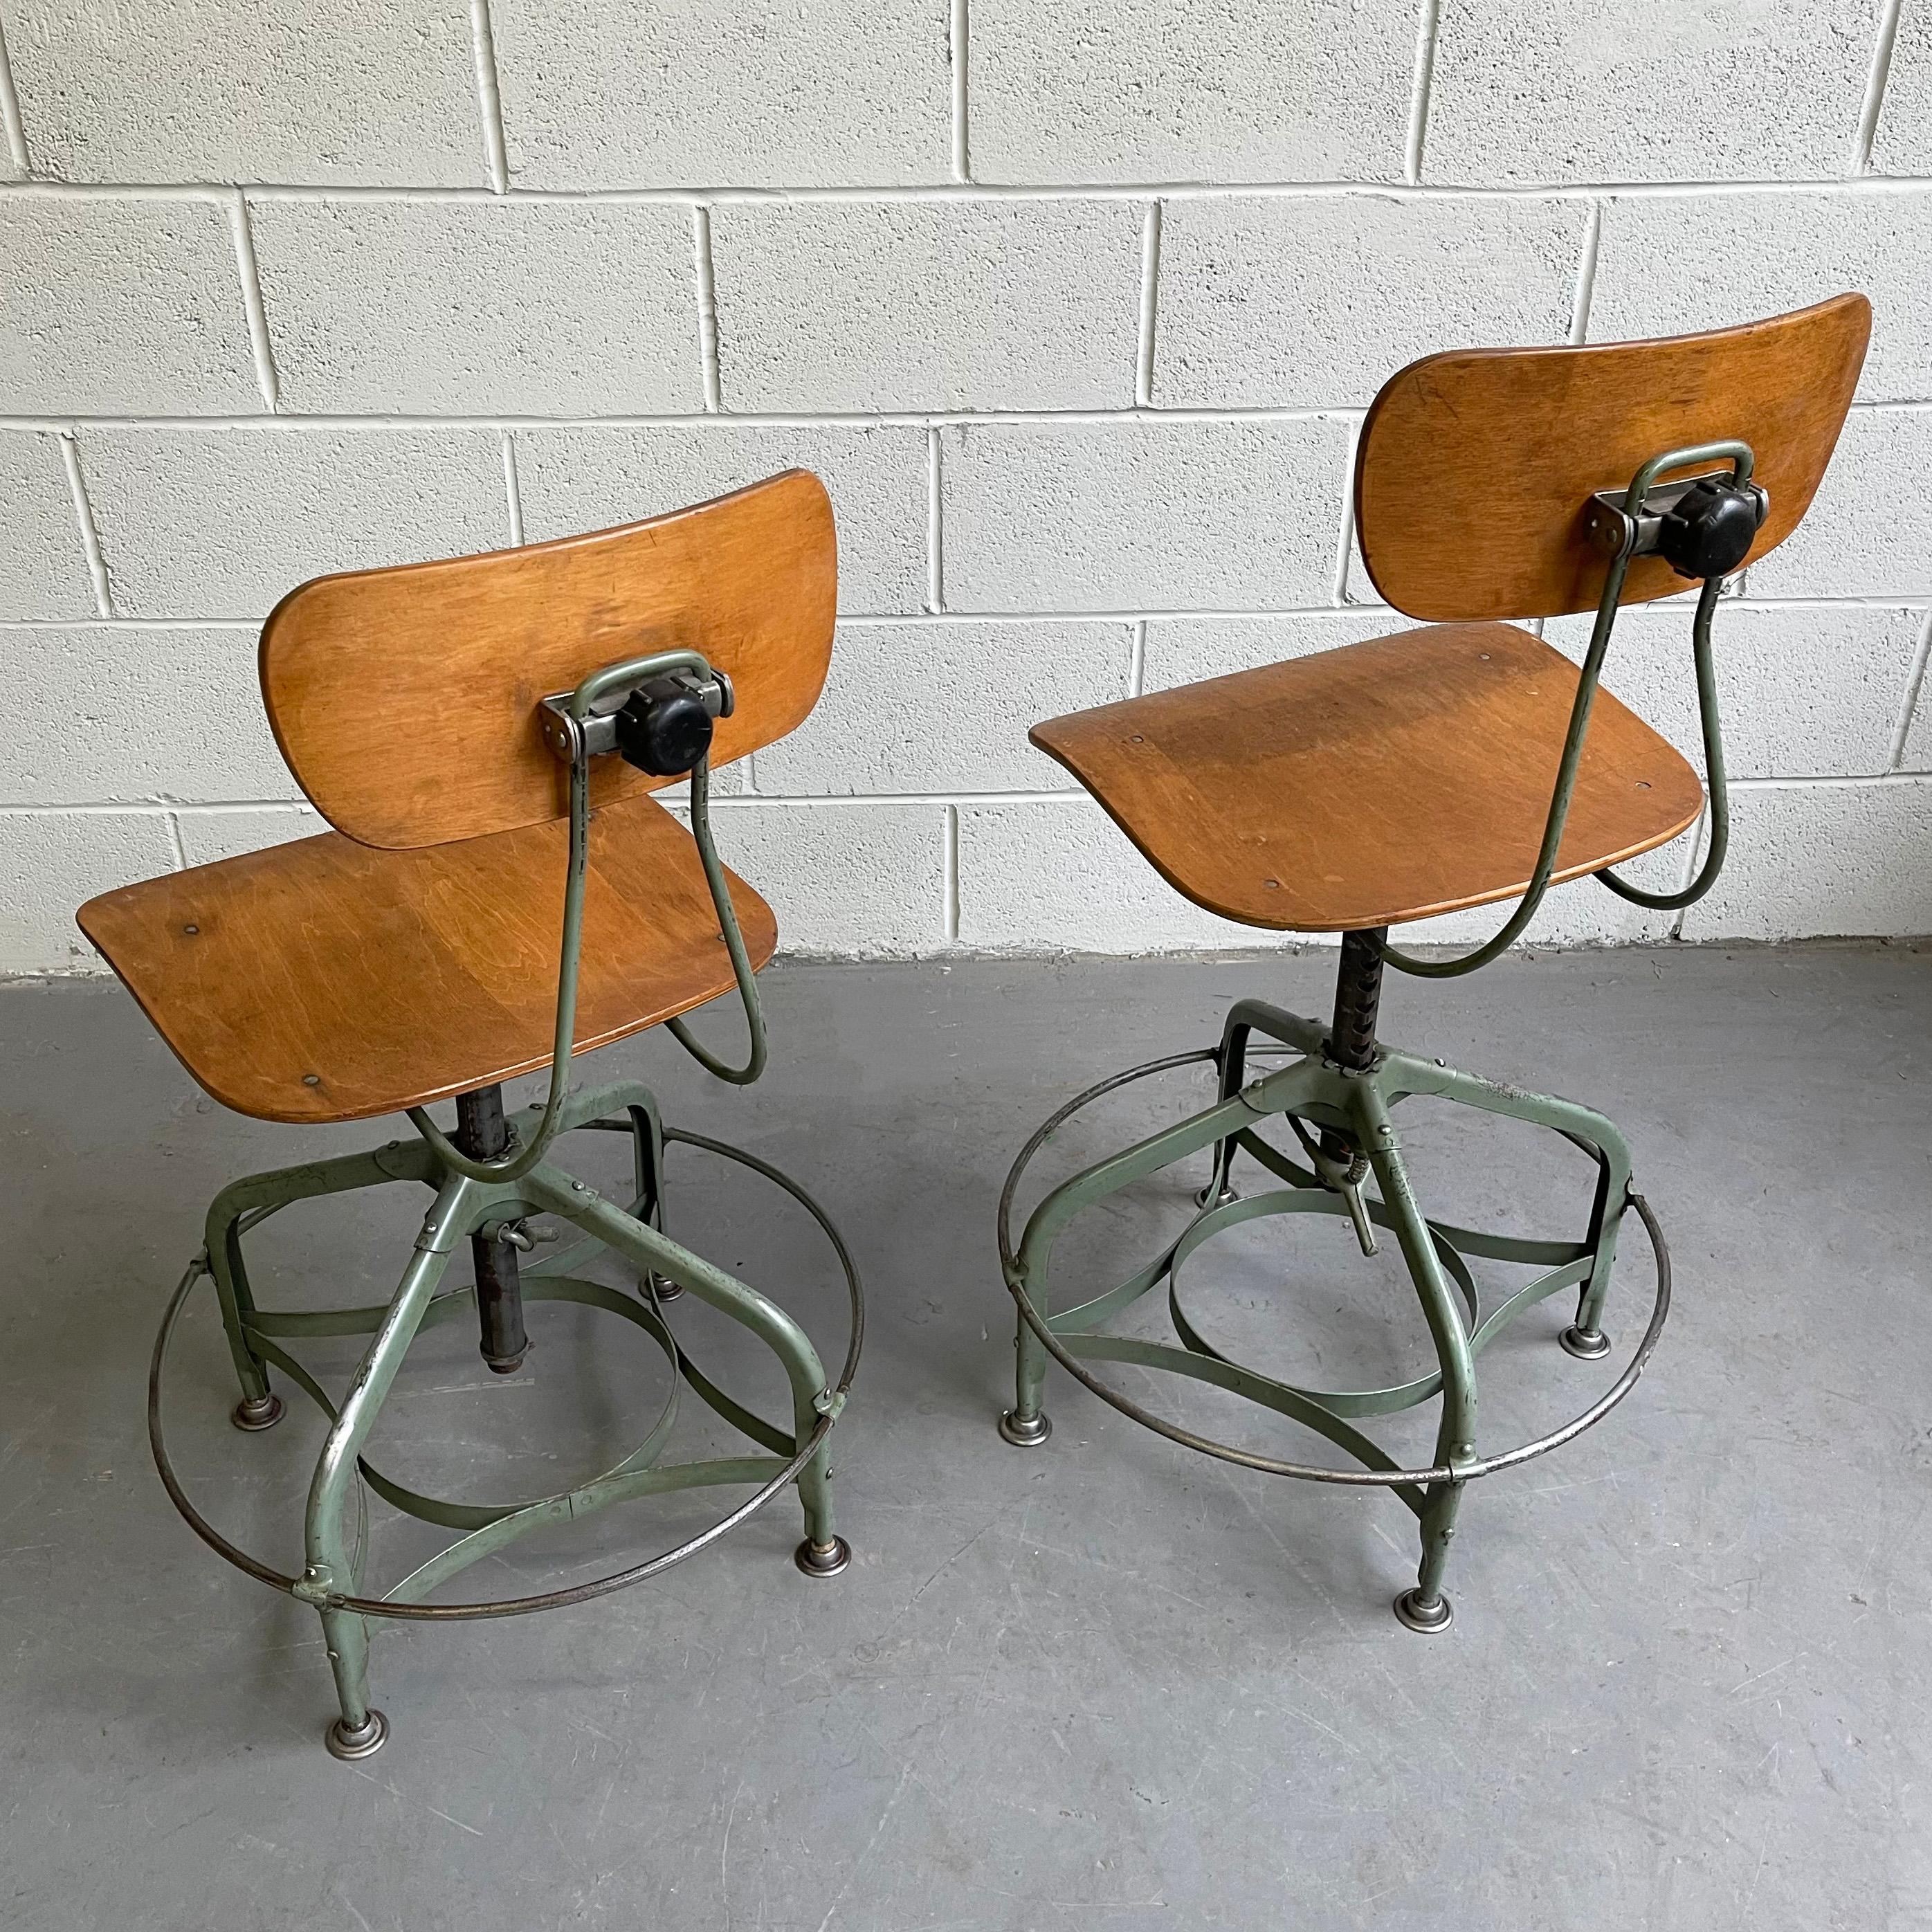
x=1108 y=1685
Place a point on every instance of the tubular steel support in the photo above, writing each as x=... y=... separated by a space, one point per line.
x=1341 y=1091
x=795 y=1451
x=1742 y=460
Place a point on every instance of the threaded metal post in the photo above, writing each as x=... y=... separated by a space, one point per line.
x=1358 y=991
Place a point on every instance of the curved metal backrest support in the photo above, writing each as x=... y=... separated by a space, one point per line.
x=1610 y=601
x=625 y=674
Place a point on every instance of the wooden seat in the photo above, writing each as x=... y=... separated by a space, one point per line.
x=412 y=953
x=1413 y=774
x=1384 y=782
x=326 y=980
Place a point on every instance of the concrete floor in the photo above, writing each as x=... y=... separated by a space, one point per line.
x=1109 y=1684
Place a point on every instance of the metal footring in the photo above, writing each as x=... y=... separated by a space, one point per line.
x=1338 y=1096
x=795 y=1452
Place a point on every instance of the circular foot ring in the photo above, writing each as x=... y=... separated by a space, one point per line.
x=1421 y=1613
x=1587 y=1345
x=832 y=1560
x=263 y=1412
x=1375 y=1474
x=364 y=1742
x=824 y=1559
x=1023 y=1434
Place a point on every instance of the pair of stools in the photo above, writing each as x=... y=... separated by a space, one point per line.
x=473 y=728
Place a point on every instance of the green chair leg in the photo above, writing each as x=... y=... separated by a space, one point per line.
x=259 y=1407
x=331 y=1566
x=1425 y=1607
x=824 y=1552
x=1590 y=1130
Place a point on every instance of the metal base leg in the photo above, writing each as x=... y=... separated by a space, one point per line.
x=1425 y=1607
x=256 y=1413
x=361 y=1731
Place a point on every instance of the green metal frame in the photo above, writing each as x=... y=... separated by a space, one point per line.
x=1361 y=1106
x=1329 y=1104
x=471 y=1195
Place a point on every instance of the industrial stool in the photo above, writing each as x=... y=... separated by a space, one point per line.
x=1436 y=768
x=473 y=729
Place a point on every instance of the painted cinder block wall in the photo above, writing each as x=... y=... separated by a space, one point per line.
x=1075 y=307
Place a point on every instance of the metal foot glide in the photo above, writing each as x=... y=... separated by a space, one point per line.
x=494 y=1217
x=1339 y=1099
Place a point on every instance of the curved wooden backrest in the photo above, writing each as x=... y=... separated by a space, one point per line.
x=1475 y=467
x=405 y=700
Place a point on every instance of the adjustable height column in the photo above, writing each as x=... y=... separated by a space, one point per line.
x=482 y=1133
x=1358 y=992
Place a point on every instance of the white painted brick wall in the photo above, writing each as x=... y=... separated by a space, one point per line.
x=235 y=91
x=598 y=95
x=1864 y=535
x=1668 y=262
x=1902 y=143
x=51 y=861
x=873 y=731
x=1207 y=90
x=922 y=305
x=461 y=307
x=880 y=476
x=1844 y=858
x=44 y=570
x=123 y=303
x=219 y=523
x=1253 y=309
x=1076 y=308
x=1183 y=650
x=1803 y=690
x=103 y=713
x=1143 y=515
x=1648 y=90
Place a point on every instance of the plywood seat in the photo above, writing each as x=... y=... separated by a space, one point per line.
x=329 y=980
x=1382 y=782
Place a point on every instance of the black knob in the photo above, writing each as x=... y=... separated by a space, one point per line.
x=663 y=728
x=1710 y=528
